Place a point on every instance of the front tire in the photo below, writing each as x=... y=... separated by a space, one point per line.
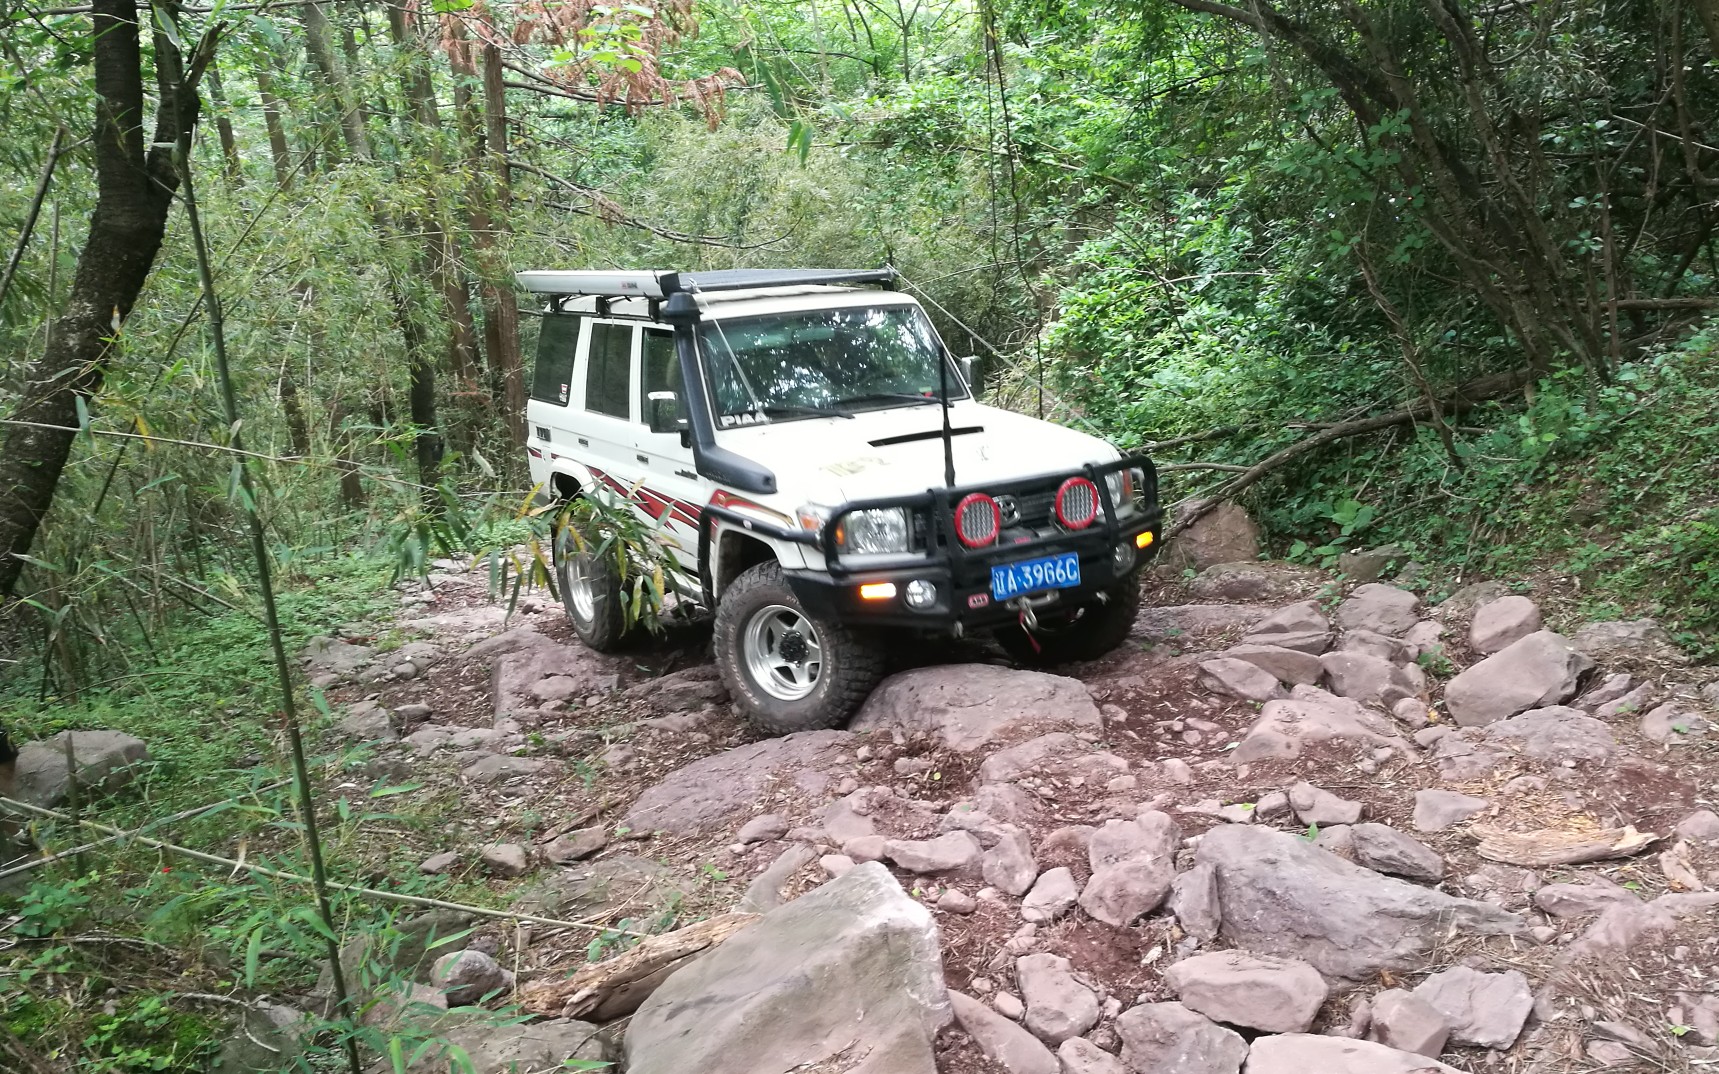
x=788 y=669
x=1087 y=633
x=590 y=592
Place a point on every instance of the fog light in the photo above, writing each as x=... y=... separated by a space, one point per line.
x=921 y=594
x=1122 y=558
x=1144 y=540
x=877 y=591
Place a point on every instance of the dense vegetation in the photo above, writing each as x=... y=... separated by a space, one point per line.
x=1443 y=266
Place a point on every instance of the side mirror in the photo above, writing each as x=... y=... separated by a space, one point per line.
x=967 y=365
x=662 y=413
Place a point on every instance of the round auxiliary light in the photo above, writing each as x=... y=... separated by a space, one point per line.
x=921 y=593
x=1076 y=503
x=977 y=520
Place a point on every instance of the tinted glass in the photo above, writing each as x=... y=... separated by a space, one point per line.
x=552 y=379
x=608 y=376
x=661 y=368
x=799 y=364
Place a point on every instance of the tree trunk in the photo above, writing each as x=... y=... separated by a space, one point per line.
x=501 y=314
x=319 y=46
x=278 y=150
x=134 y=193
x=224 y=128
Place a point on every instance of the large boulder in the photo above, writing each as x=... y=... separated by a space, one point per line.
x=1383 y=609
x=1555 y=735
x=1225 y=534
x=1284 y=896
x=966 y=707
x=1503 y=622
x=1539 y=670
x=1638 y=641
x=715 y=791
x=1310 y=714
x=105 y=761
x=1255 y=582
x=852 y=969
x=1301 y=1053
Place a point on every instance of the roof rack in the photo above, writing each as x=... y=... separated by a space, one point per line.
x=660 y=284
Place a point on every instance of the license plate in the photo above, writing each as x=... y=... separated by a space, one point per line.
x=1010 y=580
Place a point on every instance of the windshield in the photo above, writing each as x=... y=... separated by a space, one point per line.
x=822 y=363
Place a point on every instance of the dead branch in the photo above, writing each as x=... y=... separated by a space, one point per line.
x=1553 y=846
x=1484 y=389
x=55 y=152
x=617 y=987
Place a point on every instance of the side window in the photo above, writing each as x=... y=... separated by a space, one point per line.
x=661 y=368
x=608 y=375
x=557 y=343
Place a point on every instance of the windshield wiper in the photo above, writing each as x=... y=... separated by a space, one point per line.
x=791 y=408
x=876 y=397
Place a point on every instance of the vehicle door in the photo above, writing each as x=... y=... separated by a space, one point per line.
x=675 y=493
x=550 y=416
x=608 y=388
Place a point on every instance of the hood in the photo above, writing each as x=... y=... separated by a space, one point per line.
x=899 y=451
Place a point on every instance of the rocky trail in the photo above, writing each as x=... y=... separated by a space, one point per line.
x=1293 y=826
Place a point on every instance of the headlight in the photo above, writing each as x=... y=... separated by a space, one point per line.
x=879 y=530
x=1120 y=485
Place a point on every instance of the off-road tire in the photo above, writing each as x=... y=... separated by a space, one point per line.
x=852 y=662
x=605 y=629
x=1087 y=634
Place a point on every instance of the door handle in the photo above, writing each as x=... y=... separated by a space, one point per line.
x=688 y=474
x=584 y=442
x=646 y=459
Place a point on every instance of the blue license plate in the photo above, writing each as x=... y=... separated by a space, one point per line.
x=1010 y=580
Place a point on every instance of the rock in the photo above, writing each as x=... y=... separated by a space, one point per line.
x=1315 y=806
x=105 y=761
x=1007 y=1044
x=795 y=988
x=1412 y=713
x=1436 y=810
x=1403 y=1021
x=1337 y=839
x=950 y=852
x=715 y=791
x=1501 y=623
x=523 y=658
x=477 y=738
x=335 y=658
x=1280 y=895
x=1270 y=994
x=414 y=710
x=1239 y=678
x=268 y=1037
x=1371 y=564
x=593 y=887
x=763 y=828
x=1309 y=715
x=1271 y=805
x=686 y=689
x=1384 y=849
x=1009 y=866
x=1302 y=627
x=1594 y=896
x=1009 y=1006
x=1555 y=735
x=1383 y=609
x=1389 y=649
x=1285 y=665
x=619 y=757
x=468 y=978
x=1080 y=1056
x=1464 y=601
x=1484 y=1009
x=1613 y=688
x=1701 y=826
x=1260 y=582
x=1052 y=895
x=1194 y=901
x=1225 y=534
x=575 y=845
x=835 y=865
x=847 y=819
x=1425 y=638
x=505 y=859
x=1177 y=623
x=496 y=1046
x=367 y=721
x=496 y=768
x=1624 y=925
x=966 y=707
x=765 y=892
x=1642 y=640
x=1133 y=864
x=1058 y=755
x=1058 y=1006
x=1168 y=1038
x=1673 y=723
x=957 y=902
x=1636 y=701
x=1300 y=1053
x=865 y=848
x=1371 y=680
x=403 y=949
x=555 y=688
x=437 y=864
x=1539 y=670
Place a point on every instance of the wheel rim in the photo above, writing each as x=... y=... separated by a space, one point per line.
x=576 y=589
x=783 y=653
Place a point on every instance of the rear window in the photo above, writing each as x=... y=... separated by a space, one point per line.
x=609 y=374
x=557 y=341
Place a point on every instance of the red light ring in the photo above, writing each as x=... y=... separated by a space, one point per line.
x=1062 y=516
x=996 y=520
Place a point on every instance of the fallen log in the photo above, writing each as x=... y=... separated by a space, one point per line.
x=611 y=989
x=1555 y=846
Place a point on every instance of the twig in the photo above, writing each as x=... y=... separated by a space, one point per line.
x=35 y=210
x=334 y=885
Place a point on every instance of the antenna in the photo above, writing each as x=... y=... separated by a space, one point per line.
x=948 y=436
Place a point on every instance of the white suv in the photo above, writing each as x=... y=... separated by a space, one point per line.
x=819 y=467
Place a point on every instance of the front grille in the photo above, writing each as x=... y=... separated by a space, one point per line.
x=1035 y=508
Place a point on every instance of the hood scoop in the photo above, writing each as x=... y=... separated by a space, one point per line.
x=929 y=434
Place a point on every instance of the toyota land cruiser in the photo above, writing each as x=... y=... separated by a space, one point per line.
x=818 y=465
